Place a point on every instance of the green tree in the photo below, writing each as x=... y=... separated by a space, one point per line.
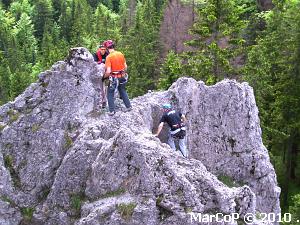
x=273 y=70
x=125 y=16
x=171 y=70
x=53 y=48
x=106 y=24
x=7 y=53
x=19 y=7
x=65 y=20
x=6 y=34
x=57 y=7
x=219 y=40
x=42 y=14
x=6 y=3
x=24 y=57
x=4 y=80
x=294 y=209
x=141 y=47
x=94 y=3
x=108 y=3
x=25 y=39
x=116 y=5
x=81 y=28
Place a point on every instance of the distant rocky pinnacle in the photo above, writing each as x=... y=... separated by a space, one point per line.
x=63 y=161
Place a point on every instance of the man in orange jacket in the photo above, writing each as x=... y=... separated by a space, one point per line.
x=116 y=71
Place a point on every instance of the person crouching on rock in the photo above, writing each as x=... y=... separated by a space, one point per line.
x=116 y=71
x=100 y=57
x=176 y=122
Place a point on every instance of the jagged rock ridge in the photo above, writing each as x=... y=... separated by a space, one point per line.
x=64 y=162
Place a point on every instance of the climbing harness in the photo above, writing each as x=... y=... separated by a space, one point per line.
x=116 y=79
x=113 y=84
x=179 y=133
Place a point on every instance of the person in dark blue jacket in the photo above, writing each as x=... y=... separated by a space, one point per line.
x=176 y=122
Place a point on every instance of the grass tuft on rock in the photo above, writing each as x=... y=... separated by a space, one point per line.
x=229 y=181
x=126 y=210
x=113 y=193
x=13 y=116
x=27 y=213
x=8 y=163
x=68 y=141
x=35 y=127
x=76 y=203
x=2 y=127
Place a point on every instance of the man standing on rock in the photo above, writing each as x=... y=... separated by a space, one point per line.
x=116 y=71
x=176 y=121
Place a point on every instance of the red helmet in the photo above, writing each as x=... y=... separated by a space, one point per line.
x=108 y=43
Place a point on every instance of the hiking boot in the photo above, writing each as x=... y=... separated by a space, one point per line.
x=111 y=113
x=128 y=109
x=103 y=105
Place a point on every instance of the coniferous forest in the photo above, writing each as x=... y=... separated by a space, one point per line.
x=235 y=39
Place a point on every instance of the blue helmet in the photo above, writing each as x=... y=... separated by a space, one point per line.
x=166 y=106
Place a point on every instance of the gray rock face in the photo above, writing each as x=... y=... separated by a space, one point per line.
x=226 y=137
x=63 y=161
x=8 y=214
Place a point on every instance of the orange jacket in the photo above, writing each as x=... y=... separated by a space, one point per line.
x=116 y=61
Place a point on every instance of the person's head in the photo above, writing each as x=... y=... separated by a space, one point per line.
x=166 y=107
x=109 y=44
x=102 y=49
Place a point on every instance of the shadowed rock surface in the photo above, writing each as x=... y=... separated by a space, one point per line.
x=63 y=161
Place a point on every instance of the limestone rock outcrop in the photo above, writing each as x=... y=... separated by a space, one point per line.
x=64 y=161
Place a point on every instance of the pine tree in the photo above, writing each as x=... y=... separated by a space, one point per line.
x=19 y=7
x=273 y=70
x=43 y=13
x=94 y=3
x=6 y=32
x=26 y=41
x=57 y=7
x=294 y=209
x=6 y=3
x=4 y=80
x=108 y=4
x=24 y=57
x=65 y=21
x=116 y=5
x=125 y=17
x=141 y=48
x=219 y=41
x=81 y=28
x=106 y=24
x=171 y=70
x=53 y=48
x=7 y=46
